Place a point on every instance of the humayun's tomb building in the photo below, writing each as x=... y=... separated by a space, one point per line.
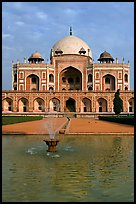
x=72 y=82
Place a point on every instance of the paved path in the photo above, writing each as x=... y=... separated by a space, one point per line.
x=94 y=126
x=75 y=126
x=35 y=127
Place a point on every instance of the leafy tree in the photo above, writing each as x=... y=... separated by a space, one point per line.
x=117 y=102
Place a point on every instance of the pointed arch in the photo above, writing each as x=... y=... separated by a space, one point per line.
x=101 y=105
x=108 y=82
x=70 y=105
x=86 y=105
x=51 y=78
x=70 y=78
x=32 y=82
x=23 y=105
x=54 y=104
x=39 y=105
x=131 y=105
x=7 y=104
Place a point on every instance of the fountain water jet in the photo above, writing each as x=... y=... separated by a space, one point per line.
x=51 y=142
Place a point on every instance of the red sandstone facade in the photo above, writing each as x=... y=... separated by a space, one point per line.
x=72 y=82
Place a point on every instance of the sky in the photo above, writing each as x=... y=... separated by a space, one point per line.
x=36 y=26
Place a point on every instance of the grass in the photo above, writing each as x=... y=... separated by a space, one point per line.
x=6 y=120
x=129 y=119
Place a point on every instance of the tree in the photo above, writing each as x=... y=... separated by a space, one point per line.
x=117 y=102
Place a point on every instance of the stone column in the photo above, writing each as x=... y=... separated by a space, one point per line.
x=15 y=103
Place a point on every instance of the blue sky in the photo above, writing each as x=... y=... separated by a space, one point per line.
x=36 y=26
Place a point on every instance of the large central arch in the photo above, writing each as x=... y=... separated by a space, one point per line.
x=70 y=78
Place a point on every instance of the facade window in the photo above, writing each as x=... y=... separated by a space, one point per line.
x=100 y=103
x=51 y=78
x=21 y=75
x=33 y=80
x=120 y=75
x=90 y=78
x=63 y=79
x=10 y=105
x=107 y=80
x=90 y=88
x=43 y=75
x=33 y=89
x=24 y=108
x=43 y=87
x=15 y=78
x=77 y=79
x=40 y=106
x=108 y=89
x=97 y=87
x=100 y=106
x=130 y=106
x=126 y=78
x=97 y=75
x=21 y=87
x=51 y=88
x=70 y=80
x=126 y=88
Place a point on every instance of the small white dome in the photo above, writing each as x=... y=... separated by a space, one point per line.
x=71 y=45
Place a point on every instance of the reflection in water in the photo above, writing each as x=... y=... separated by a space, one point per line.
x=85 y=168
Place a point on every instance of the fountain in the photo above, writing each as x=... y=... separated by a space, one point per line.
x=52 y=145
x=51 y=142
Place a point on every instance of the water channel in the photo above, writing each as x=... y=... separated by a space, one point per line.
x=84 y=169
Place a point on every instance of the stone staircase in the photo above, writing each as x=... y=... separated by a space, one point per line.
x=63 y=129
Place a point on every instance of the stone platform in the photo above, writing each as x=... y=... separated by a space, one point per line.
x=72 y=127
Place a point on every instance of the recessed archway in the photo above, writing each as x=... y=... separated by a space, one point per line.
x=70 y=105
x=86 y=105
x=32 y=83
x=23 y=105
x=131 y=105
x=70 y=78
x=7 y=104
x=39 y=105
x=101 y=105
x=108 y=82
x=54 y=105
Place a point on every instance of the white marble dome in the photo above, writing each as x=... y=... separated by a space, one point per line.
x=71 y=45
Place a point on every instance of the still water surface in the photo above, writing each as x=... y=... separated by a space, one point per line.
x=84 y=169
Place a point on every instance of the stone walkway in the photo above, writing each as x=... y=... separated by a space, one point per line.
x=44 y=126
x=75 y=126
x=94 y=126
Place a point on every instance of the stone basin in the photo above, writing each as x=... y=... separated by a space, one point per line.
x=52 y=145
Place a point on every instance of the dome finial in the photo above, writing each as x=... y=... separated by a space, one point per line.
x=70 y=30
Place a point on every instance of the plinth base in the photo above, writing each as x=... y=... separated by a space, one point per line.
x=52 y=145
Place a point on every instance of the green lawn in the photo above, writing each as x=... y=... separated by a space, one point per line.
x=6 y=120
x=129 y=119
